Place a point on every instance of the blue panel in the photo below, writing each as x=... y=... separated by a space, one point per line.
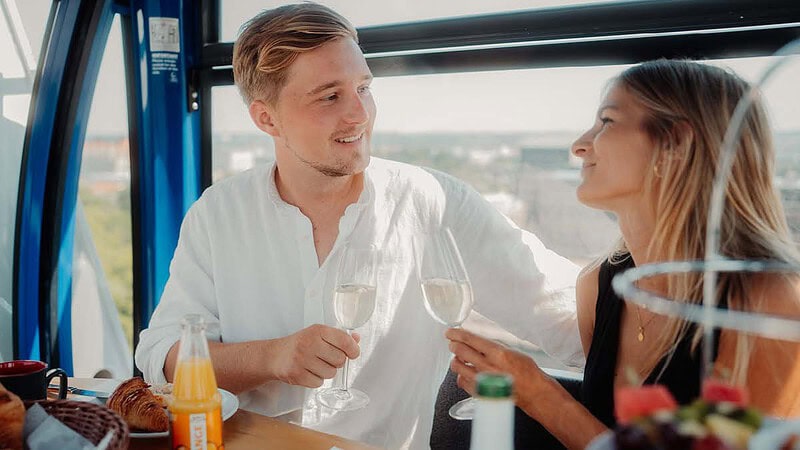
x=32 y=192
x=40 y=159
x=70 y=192
x=169 y=137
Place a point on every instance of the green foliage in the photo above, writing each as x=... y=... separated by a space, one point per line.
x=109 y=218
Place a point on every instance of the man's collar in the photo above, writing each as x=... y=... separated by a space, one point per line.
x=366 y=196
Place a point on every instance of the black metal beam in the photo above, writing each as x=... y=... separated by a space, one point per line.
x=210 y=26
x=134 y=132
x=734 y=44
x=586 y=22
x=591 y=53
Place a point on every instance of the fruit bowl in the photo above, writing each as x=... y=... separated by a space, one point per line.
x=772 y=436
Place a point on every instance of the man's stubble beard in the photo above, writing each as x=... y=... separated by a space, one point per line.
x=341 y=170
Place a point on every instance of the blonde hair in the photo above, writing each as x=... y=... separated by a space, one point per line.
x=270 y=42
x=689 y=106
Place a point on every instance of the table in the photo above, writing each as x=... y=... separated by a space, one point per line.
x=245 y=430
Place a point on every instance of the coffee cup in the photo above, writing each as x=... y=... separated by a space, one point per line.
x=29 y=379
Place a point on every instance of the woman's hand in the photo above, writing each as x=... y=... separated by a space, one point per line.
x=474 y=354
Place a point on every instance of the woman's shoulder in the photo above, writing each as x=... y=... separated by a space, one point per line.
x=589 y=275
x=586 y=298
x=775 y=294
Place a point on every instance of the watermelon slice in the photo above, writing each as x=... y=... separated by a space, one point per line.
x=715 y=391
x=633 y=402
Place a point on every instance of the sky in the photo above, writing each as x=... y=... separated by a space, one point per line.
x=536 y=100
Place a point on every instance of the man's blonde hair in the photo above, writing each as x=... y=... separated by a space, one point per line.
x=269 y=43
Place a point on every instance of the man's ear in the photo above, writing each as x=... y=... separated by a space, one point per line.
x=263 y=115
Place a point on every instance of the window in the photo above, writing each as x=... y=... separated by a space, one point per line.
x=508 y=134
x=102 y=285
x=21 y=32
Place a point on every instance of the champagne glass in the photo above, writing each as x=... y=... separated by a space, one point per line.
x=446 y=291
x=353 y=304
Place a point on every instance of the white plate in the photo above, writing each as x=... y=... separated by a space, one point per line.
x=604 y=441
x=774 y=434
x=230 y=404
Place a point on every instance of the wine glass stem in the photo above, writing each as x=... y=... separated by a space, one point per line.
x=345 y=370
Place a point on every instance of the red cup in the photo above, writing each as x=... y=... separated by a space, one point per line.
x=29 y=379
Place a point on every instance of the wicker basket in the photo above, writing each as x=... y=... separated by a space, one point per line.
x=90 y=420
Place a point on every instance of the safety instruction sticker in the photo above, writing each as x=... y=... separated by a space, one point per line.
x=165 y=34
x=165 y=47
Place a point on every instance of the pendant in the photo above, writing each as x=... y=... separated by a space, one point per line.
x=641 y=334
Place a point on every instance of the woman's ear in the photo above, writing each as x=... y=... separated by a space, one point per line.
x=681 y=139
x=676 y=149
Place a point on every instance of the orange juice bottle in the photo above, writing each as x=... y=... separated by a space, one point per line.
x=195 y=412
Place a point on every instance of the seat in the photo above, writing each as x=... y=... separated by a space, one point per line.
x=450 y=434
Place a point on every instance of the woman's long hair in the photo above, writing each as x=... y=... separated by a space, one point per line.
x=689 y=106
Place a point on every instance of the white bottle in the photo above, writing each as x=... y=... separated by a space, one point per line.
x=493 y=423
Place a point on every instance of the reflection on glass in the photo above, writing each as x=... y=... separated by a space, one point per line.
x=102 y=276
x=21 y=31
x=507 y=134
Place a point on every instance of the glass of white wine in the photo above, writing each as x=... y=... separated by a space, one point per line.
x=353 y=304
x=446 y=290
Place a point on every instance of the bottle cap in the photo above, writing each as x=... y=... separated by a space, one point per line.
x=494 y=385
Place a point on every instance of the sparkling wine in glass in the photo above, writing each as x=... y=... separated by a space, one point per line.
x=353 y=304
x=446 y=291
x=448 y=301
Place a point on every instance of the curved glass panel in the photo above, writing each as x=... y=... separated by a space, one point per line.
x=102 y=278
x=21 y=32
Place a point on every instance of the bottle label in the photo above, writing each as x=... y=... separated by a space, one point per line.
x=197 y=431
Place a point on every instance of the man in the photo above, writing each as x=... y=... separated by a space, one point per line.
x=258 y=253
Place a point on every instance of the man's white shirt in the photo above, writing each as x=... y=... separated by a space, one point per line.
x=246 y=261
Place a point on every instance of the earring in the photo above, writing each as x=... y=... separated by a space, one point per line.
x=656 y=170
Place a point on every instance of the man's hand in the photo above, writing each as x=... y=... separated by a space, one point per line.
x=312 y=354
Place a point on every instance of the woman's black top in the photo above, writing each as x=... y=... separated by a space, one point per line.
x=681 y=374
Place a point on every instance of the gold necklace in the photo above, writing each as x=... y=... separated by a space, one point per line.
x=640 y=336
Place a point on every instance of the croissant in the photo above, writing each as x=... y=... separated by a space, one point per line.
x=12 y=417
x=138 y=406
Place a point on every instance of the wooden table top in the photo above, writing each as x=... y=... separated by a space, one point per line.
x=245 y=430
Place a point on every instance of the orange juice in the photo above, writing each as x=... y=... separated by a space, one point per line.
x=195 y=411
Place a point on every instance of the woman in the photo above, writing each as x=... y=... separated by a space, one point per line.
x=649 y=158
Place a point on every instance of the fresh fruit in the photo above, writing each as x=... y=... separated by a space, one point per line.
x=735 y=434
x=633 y=402
x=748 y=416
x=672 y=439
x=710 y=442
x=632 y=438
x=649 y=418
x=715 y=391
x=697 y=411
